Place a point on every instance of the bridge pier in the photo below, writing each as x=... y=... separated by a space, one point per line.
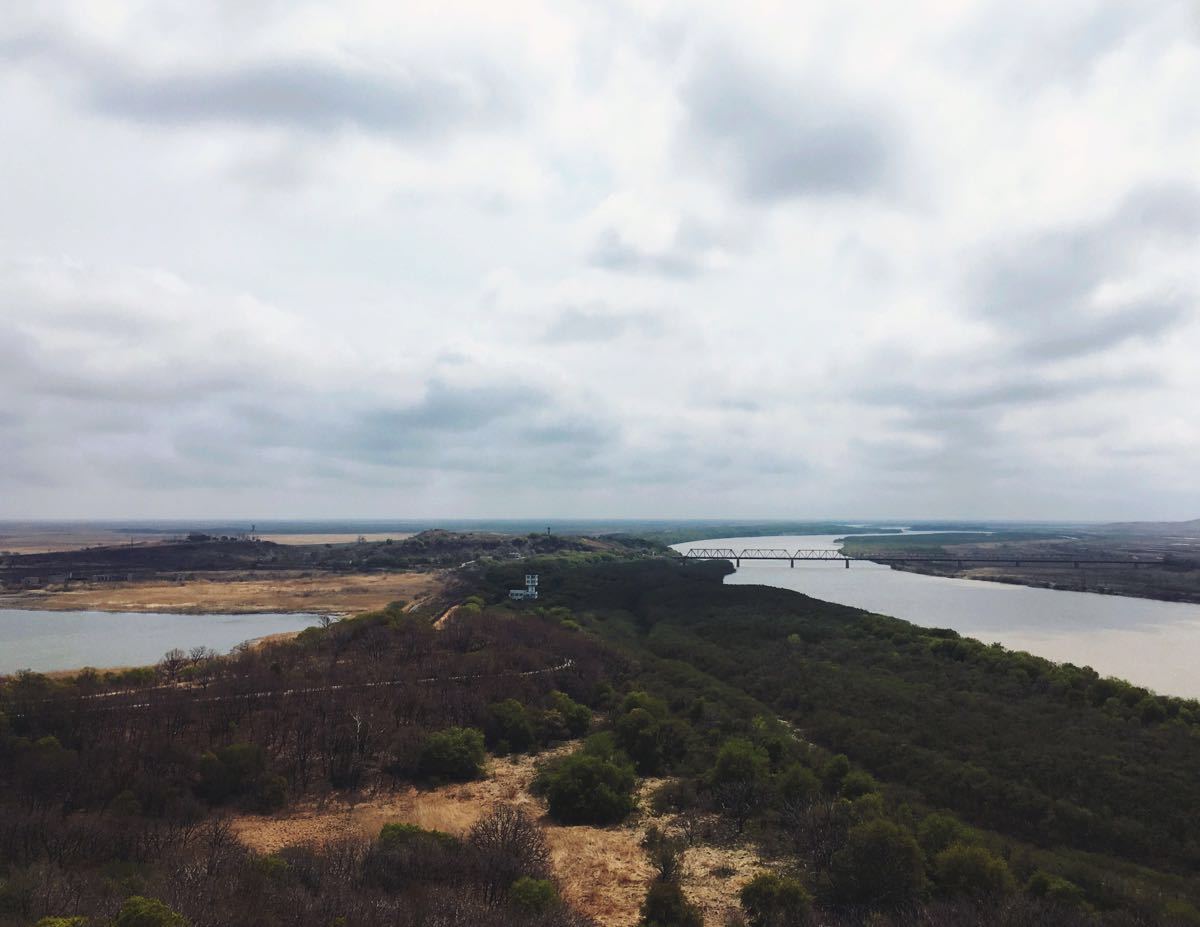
x=847 y=563
x=792 y=563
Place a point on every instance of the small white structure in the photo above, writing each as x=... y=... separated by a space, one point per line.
x=529 y=592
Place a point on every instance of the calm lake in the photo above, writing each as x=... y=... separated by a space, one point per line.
x=1153 y=644
x=42 y=640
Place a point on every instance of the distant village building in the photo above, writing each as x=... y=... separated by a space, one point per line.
x=529 y=592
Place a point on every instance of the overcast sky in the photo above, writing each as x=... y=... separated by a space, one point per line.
x=911 y=259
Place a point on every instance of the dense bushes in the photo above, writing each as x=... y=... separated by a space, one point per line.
x=666 y=906
x=880 y=866
x=973 y=872
x=147 y=912
x=240 y=771
x=453 y=755
x=772 y=900
x=591 y=786
x=513 y=727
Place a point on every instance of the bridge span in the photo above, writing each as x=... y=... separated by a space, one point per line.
x=832 y=554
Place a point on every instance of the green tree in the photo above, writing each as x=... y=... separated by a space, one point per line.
x=645 y=731
x=455 y=754
x=740 y=761
x=1055 y=890
x=536 y=896
x=576 y=717
x=798 y=786
x=834 y=772
x=937 y=831
x=772 y=900
x=738 y=779
x=857 y=784
x=147 y=912
x=880 y=866
x=972 y=872
x=62 y=922
x=666 y=906
x=509 y=723
x=585 y=788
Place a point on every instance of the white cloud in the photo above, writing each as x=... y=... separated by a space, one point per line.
x=664 y=259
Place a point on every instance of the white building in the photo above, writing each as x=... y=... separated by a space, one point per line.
x=529 y=592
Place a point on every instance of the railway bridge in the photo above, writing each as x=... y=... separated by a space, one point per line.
x=834 y=555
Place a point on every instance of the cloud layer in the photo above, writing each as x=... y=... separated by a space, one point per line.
x=560 y=259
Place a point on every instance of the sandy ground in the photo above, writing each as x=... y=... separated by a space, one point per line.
x=604 y=872
x=325 y=594
x=45 y=540
x=330 y=538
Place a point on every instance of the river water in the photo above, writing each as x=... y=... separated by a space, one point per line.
x=1153 y=644
x=45 y=640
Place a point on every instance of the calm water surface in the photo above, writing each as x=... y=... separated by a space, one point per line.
x=1154 y=644
x=42 y=641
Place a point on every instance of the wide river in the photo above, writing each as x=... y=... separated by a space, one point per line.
x=1154 y=644
x=43 y=641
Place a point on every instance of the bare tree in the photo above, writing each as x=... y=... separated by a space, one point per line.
x=509 y=845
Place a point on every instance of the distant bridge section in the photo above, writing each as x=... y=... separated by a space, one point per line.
x=832 y=554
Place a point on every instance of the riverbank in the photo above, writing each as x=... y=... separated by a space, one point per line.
x=1155 y=644
x=1162 y=567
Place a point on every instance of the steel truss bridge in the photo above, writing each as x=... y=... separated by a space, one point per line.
x=832 y=554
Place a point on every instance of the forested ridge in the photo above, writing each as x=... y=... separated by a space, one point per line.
x=1092 y=776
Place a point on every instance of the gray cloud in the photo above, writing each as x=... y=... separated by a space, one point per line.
x=1042 y=288
x=576 y=325
x=687 y=254
x=415 y=100
x=777 y=138
x=307 y=95
x=931 y=404
x=1037 y=48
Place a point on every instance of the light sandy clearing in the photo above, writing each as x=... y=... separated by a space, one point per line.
x=604 y=872
x=324 y=594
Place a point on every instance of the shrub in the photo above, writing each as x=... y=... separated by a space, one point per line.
x=576 y=717
x=536 y=896
x=455 y=754
x=666 y=906
x=147 y=912
x=231 y=771
x=973 y=872
x=400 y=836
x=642 y=730
x=509 y=722
x=797 y=785
x=834 y=772
x=405 y=851
x=740 y=761
x=585 y=788
x=880 y=866
x=857 y=784
x=771 y=900
x=937 y=831
x=1055 y=890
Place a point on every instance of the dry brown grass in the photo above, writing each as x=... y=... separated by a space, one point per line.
x=603 y=872
x=275 y=593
